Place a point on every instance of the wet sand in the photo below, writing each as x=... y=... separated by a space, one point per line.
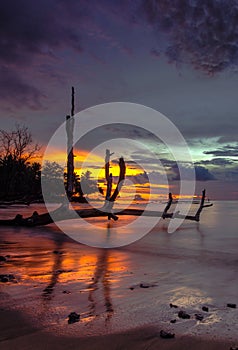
x=193 y=267
x=17 y=333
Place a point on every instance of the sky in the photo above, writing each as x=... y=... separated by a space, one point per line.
x=179 y=57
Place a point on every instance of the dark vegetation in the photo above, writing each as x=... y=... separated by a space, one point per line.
x=20 y=173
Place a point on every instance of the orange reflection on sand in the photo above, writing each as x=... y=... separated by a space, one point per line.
x=57 y=272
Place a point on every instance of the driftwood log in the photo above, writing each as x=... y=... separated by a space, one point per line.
x=63 y=213
x=168 y=205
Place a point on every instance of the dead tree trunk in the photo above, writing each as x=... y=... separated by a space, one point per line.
x=113 y=198
x=197 y=215
x=108 y=175
x=121 y=179
x=110 y=199
x=70 y=152
x=168 y=205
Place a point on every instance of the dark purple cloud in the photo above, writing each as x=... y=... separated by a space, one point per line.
x=220 y=162
x=31 y=33
x=201 y=172
x=37 y=33
x=201 y=32
x=226 y=151
x=14 y=88
x=171 y=167
x=31 y=28
x=229 y=175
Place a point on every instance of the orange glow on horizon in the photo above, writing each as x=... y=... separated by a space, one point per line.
x=95 y=164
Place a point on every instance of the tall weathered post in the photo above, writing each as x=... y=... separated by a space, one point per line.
x=70 y=150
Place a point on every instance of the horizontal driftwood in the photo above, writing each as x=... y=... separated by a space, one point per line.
x=64 y=214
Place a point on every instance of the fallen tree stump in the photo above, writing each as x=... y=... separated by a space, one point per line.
x=64 y=213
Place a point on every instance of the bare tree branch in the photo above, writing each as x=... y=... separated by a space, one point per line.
x=18 y=144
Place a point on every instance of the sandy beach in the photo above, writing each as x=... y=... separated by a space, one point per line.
x=16 y=332
x=123 y=295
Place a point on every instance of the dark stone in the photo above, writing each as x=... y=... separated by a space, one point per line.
x=66 y=292
x=233 y=306
x=166 y=335
x=183 y=314
x=132 y=288
x=172 y=305
x=199 y=317
x=147 y=285
x=8 y=278
x=173 y=321
x=2 y=258
x=205 y=308
x=73 y=317
x=4 y=279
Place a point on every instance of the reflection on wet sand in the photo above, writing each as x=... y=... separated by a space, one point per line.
x=68 y=268
x=101 y=274
x=56 y=271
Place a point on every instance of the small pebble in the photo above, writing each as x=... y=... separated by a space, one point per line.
x=73 y=317
x=8 y=278
x=183 y=314
x=4 y=279
x=173 y=305
x=233 y=306
x=173 y=321
x=2 y=258
x=205 y=308
x=199 y=317
x=166 y=335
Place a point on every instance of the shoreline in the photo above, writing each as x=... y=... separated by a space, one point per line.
x=123 y=295
x=17 y=332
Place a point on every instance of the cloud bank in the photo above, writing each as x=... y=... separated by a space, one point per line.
x=203 y=33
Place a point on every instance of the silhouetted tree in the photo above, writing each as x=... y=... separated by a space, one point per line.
x=18 y=177
x=87 y=185
x=53 y=178
x=17 y=144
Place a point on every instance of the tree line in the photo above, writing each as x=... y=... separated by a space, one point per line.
x=20 y=173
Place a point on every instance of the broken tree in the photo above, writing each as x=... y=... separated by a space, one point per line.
x=70 y=151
